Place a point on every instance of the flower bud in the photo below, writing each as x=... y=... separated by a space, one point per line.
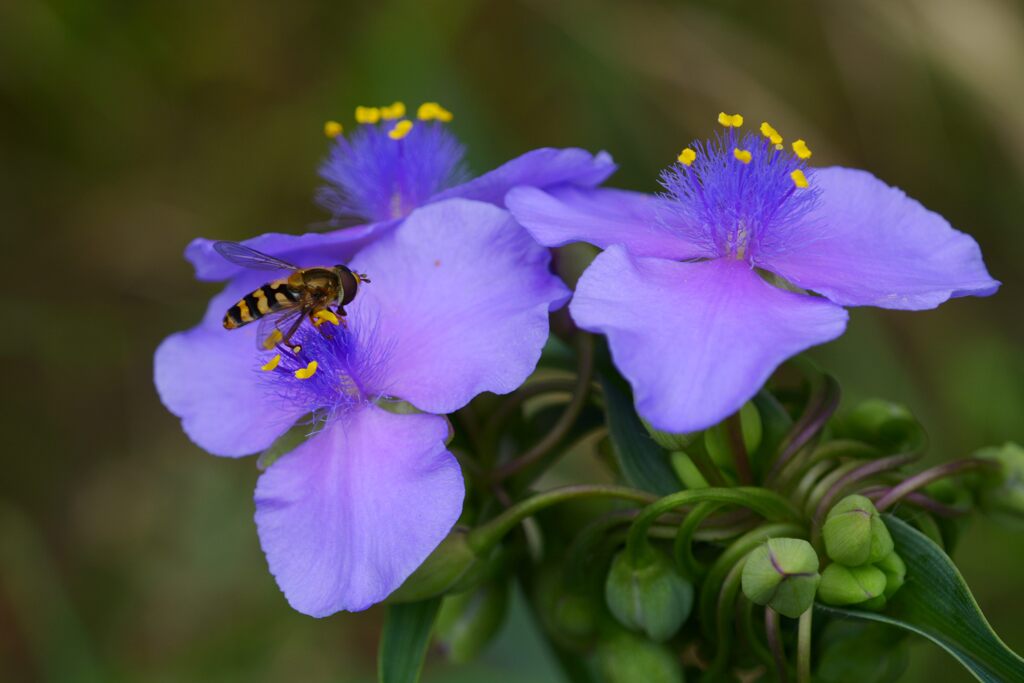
x=1001 y=492
x=628 y=658
x=895 y=571
x=570 y=613
x=450 y=561
x=716 y=439
x=668 y=440
x=648 y=595
x=468 y=621
x=687 y=471
x=850 y=585
x=855 y=534
x=889 y=426
x=782 y=574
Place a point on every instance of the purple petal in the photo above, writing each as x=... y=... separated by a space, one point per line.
x=348 y=515
x=546 y=167
x=868 y=244
x=310 y=249
x=601 y=217
x=696 y=340
x=461 y=294
x=210 y=378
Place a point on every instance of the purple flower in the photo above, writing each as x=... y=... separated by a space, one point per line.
x=458 y=305
x=745 y=261
x=391 y=165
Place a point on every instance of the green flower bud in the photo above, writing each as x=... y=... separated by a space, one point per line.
x=855 y=534
x=874 y=604
x=687 y=471
x=889 y=426
x=570 y=614
x=850 y=585
x=648 y=595
x=442 y=570
x=782 y=574
x=1001 y=492
x=468 y=621
x=668 y=440
x=716 y=439
x=627 y=658
x=895 y=571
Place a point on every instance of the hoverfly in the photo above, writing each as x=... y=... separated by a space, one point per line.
x=282 y=305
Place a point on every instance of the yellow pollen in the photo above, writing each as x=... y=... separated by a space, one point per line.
x=771 y=133
x=741 y=155
x=296 y=348
x=367 y=114
x=400 y=130
x=306 y=372
x=395 y=111
x=332 y=129
x=271 y=364
x=730 y=120
x=779 y=147
x=271 y=341
x=323 y=316
x=799 y=179
x=801 y=150
x=687 y=156
x=430 y=111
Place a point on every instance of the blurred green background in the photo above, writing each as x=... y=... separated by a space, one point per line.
x=127 y=128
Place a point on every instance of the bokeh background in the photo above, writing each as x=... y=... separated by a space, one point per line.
x=126 y=129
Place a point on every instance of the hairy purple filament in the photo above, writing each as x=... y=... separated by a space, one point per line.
x=734 y=209
x=373 y=177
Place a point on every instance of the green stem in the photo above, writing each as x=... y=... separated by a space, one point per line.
x=740 y=457
x=683 y=547
x=840 y=448
x=706 y=466
x=773 y=629
x=768 y=504
x=486 y=536
x=922 y=479
x=803 y=647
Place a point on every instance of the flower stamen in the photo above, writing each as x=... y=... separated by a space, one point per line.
x=333 y=129
x=730 y=120
x=308 y=371
x=801 y=150
x=395 y=111
x=742 y=155
x=325 y=315
x=400 y=130
x=272 y=363
x=367 y=115
x=687 y=157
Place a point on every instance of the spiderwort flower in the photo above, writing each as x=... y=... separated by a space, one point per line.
x=390 y=165
x=685 y=289
x=459 y=305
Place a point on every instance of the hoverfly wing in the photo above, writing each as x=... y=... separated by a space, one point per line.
x=241 y=255
x=272 y=329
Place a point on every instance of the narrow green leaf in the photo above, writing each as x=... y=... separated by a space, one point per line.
x=404 y=641
x=643 y=463
x=936 y=603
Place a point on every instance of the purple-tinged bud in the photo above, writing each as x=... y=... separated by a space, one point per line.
x=855 y=534
x=782 y=574
x=648 y=594
x=628 y=658
x=850 y=585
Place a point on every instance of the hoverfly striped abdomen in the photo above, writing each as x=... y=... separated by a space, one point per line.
x=270 y=297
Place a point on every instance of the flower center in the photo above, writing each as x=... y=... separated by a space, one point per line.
x=390 y=164
x=737 y=195
x=329 y=368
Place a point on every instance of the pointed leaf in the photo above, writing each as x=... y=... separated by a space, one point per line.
x=936 y=603
x=404 y=641
x=643 y=463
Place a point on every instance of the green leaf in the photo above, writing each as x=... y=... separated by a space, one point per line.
x=642 y=462
x=404 y=641
x=936 y=603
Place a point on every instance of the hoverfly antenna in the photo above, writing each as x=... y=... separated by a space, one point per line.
x=362 y=277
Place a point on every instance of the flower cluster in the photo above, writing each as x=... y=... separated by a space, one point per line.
x=744 y=259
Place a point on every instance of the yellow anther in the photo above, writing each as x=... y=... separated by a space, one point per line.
x=272 y=340
x=306 y=372
x=771 y=133
x=400 y=130
x=296 y=348
x=799 y=179
x=430 y=111
x=325 y=315
x=741 y=155
x=779 y=147
x=367 y=115
x=687 y=156
x=730 y=120
x=395 y=111
x=332 y=129
x=271 y=364
x=801 y=150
